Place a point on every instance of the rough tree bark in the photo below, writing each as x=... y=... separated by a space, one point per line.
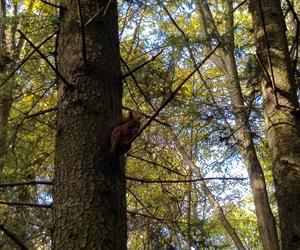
x=281 y=114
x=89 y=190
x=227 y=64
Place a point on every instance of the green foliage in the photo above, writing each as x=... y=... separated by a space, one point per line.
x=161 y=215
x=30 y=138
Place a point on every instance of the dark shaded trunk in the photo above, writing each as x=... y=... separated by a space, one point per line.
x=282 y=115
x=89 y=191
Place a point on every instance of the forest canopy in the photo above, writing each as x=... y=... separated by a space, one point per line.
x=149 y=124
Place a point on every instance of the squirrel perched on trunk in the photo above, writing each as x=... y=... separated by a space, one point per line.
x=123 y=132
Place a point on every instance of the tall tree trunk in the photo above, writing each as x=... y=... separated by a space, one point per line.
x=227 y=64
x=89 y=189
x=281 y=114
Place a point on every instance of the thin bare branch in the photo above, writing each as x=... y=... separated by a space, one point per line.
x=42 y=112
x=24 y=183
x=132 y=213
x=27 y=113
x=140 y=201
x=184 y=181
x=155 y=164
x=239 y=5
x=142 y=65
x=148 y=116
x=13 y=237
x=137 y=85
x=26 y=204
x=34 y=118
x=46 y=59
x=26 y=59
x=172 y=95
x=52 y=4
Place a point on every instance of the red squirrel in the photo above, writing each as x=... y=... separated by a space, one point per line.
x=123 y=132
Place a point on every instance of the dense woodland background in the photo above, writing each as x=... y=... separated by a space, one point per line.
x=201 y=173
